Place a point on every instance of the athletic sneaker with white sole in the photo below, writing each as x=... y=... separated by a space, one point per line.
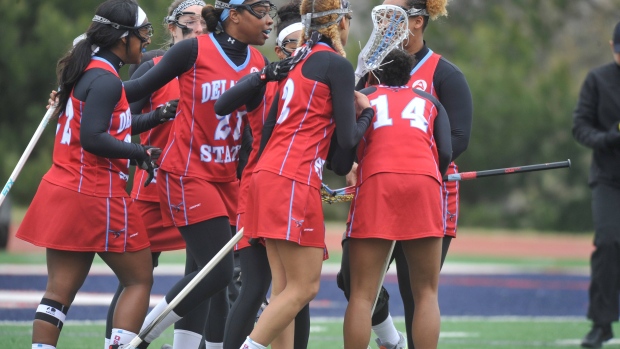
x=402 y=343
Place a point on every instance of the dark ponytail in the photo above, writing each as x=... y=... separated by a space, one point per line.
x=211 y=15
x=102 y=36
x=288 y=14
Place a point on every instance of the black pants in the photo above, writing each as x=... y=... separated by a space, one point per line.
x=605 y=261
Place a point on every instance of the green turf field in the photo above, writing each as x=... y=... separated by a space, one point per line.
x=462 y=333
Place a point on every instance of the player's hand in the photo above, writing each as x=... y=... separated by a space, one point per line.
x=276 y=71
x=361 y=102
x=53 y=101
x=167 y=111
x=351 y=177
x=149 y=162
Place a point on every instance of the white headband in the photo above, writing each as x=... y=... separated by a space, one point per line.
x=141 y=17
x=288 y=30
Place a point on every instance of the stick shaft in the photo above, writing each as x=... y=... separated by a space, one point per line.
x=187 y=289
x=463 y=176
x=26 y=154
x=386 y=265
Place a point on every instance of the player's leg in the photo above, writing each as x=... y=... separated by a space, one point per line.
x=402 y=272
x=256 y=275
x=110 y=315
x=302 y=328
x=188 y=330
x=302 y=269
x=366 y=262
x=66 y=272
x=285 y=338
x=382 y=322
x=134 y=271
x=204 y=240
x=423 y=257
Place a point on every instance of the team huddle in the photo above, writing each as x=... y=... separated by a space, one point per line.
x=230 y=142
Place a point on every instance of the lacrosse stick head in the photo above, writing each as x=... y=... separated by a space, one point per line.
x=390 y=28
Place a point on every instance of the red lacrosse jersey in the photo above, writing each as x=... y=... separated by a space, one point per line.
x=157 y=137
x=256 y=118
x=400 y=139
x=422 y=74
x=76 y=169
x=203 y=144
x=298 y=146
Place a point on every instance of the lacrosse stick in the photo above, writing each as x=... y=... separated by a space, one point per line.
x=185 y=291
x=390 y=27
x=386 y=265
x=463 y=176
x=331 y=196
x=346 y=194
x=26 y=154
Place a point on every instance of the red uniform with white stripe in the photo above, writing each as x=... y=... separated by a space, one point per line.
x=298 y=147
x=147 y=198
x=83 y=195
x=422 y=79
x=256 y=118
x=204 y=146
x=399 y=184
x=294 y=156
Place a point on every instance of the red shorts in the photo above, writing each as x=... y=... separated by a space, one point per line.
x=245 y=240
x=161 y=238
x=451 y=202
x=190 y=200
x=64 y=219
x=395 y=206
x=284 y=209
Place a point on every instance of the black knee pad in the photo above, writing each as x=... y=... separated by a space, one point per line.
x=383 y=298
x=342 y=284
x=52 y=312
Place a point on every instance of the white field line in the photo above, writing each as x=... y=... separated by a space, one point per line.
x=328 y=269
x=20 y=299
x=318 y=320
x=30 y=299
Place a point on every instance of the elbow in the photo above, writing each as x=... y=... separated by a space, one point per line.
x=220 y=108
x=89 y=144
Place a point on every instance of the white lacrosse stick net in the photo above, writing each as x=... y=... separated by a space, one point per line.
x=390 y=28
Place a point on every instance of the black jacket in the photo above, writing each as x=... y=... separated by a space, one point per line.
x=595 y=122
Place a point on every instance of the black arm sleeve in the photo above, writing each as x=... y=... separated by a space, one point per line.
x=341 y=160
x=454 y=94
x=142 y=122
x=246 y=149
x=248 y=91
x=176 y=61
x=441 y=133
x=269 y=124
x=102 y=94
x=586 y=128
x=137 y=106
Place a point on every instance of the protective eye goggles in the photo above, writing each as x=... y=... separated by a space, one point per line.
x=187 y=20
x=288 y=51
x=412 y=12
x=258 y=9
x=343 y=12
x=143 y=32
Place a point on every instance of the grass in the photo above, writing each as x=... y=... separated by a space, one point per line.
x=457 y=332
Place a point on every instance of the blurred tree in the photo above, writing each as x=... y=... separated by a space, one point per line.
x=524 y=61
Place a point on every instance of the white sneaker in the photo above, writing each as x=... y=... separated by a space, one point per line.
x=166 y=346
x=402 y=343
